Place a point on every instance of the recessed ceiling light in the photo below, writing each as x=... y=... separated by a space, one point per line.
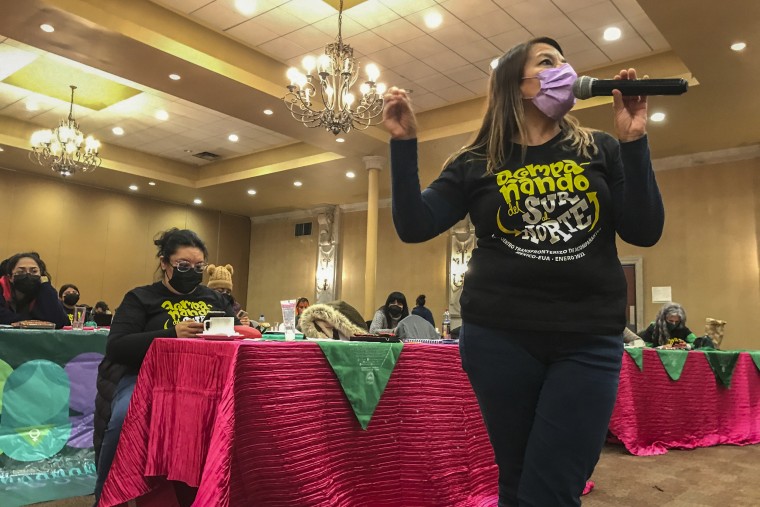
x=233 y=137
x=152 y=183
x=175 y=77
x=612 y=33
x=251 y=191
x=494 y=63
x=657 y=116
x=2 y=149
x=162 y=115
x=738 y=46
x=297 y=183
x=268 y=112
x=340 y=140
x=32 y=105
x=246 y=7
x=350 y=174
x=433 y=19
x=197 y=201
x=47 y=28
x=118 y=131
x=133 y=187
x=188 y=151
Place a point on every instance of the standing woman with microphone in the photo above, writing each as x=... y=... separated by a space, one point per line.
x=544 y=297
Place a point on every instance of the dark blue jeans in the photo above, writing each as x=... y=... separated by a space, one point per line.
x=546 y=400
x=119 y=407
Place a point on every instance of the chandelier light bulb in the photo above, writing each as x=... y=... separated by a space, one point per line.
x=301 y=80
x=349 y=99
x=364 y=88
x=324 y=64
x=292 y=75
x=309 y=63
x=372 y=72
x=380 y=87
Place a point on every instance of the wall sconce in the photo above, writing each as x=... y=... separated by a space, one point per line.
x=459 y=267
x=324 y=285
x=324 y=277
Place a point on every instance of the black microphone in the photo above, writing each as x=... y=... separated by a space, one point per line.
x=586 y=87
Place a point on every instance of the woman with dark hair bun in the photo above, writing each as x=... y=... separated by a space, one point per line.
x=174 y=306
x=422 y=311
x=390 y=314
x=26 y=292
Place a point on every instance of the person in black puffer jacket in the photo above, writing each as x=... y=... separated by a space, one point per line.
x=173 y=307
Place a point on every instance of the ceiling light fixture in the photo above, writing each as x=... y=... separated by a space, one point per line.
x=340 y=140
x=657 y=117
x=350 y=174
x=251 y=192
x=175 y=77
x=197 y=201
x=612 y=33
x=433 y=19
x=133 y=188
x=494 y=63
x=268 y=112
x=118 y=131
x=162 y=115
x=738 y=46
x=297 y=183
x=47 y=28
x=324 y=99
x=32 y=105
x=233 y=137
x=152 y=183
x=66 y=148
x=246 y=7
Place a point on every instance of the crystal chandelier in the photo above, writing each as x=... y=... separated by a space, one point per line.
x=325 y=99
x=65 y=148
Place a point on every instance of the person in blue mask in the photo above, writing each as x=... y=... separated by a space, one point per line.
x=544 y=299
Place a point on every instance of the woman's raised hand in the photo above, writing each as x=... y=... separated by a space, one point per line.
x=398 y=117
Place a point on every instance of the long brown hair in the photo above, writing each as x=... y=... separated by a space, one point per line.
x=504 y=118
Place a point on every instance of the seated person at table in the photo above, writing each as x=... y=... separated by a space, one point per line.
x=423 y=311
x=670 y=323
x=175 y=306
x=26 y=292
x=101 y=307
x=68 y=294
x=220 y=279
x=301 y=304
x=390 y=314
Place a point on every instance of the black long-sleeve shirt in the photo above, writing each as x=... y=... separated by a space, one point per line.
x=152 y=311
x=546 y=258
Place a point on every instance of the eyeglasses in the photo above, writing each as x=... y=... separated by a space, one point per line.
x=24 y=271
x=224 y=291
x=184 y=266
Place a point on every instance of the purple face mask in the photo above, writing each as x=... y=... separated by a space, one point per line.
x=555 y=98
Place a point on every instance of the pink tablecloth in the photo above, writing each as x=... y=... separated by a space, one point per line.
x=654 y=413
x=267 y=424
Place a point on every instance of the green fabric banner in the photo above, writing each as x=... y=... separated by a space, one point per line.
x=755 y=355
x=637 y=354
x=47 y=405
x=722 y=364
x=673 y=361
x=363 y=369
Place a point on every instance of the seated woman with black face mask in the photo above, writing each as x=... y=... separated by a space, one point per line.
x=670 y=323
x=390 y=314
x=26 y=292
x=174 y=306
x=69 y=296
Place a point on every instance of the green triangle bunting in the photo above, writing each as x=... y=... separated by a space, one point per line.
x=673 y=361
x=363 y=369
x=637 y=354
x=755 y=355
x=722 y=364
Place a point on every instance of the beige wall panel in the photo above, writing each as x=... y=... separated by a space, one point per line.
x=205 y=223
x=234 y=237
x=282 y=267
x=708 y=252
x=352 y=252
x=112 y=252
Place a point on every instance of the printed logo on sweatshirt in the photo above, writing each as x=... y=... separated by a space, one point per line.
x=554 y=204
x=185 y=310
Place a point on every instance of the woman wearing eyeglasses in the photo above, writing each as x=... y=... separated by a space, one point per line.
x=174 y=306
x=26 y=292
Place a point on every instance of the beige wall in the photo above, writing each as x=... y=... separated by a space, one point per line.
x=708 y=251
x=282 y=265
x=102 y=241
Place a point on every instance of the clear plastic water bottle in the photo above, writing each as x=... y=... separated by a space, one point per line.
x=446 y=326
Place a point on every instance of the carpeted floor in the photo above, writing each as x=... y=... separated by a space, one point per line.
x=721 y=476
